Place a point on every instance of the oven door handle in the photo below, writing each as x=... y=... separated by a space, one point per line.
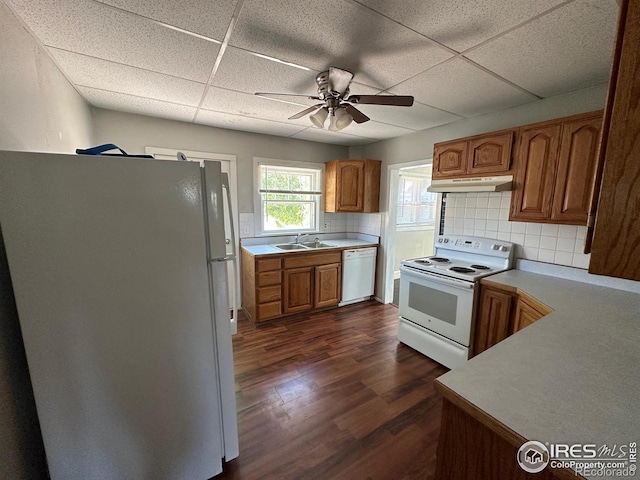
x=436 y=278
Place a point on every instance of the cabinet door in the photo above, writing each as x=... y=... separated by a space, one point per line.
x=535 y=173
x=492 y=323
x=616 y=238
x=576 y=170
x=350 y=186
x=298 y=289
x=327 y=285
x=450 y=159
x=525 y=315
x=490 y=154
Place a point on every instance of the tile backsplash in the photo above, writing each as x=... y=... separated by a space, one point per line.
x=368 y=223
x=485 y=214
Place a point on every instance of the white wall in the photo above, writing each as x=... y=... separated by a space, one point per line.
x=39 y=111
x=134 y=132
x=412 y=244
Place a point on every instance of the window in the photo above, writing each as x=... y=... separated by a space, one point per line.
x=289 y=195
x=416 y=206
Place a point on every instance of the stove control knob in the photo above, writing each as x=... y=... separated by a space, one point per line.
x=440 y=240
x=504 y=248
x=445 y=240
x=495 y=246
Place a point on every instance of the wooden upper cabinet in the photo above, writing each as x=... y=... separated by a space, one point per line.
x=616 y=242
x=576 y=170
x=535 y=173
x=494 y=318
x=450 y=158
x=486 y=154
x=352 y=186
x=555 y=170
x=490 y=154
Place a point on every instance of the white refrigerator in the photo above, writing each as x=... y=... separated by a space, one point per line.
x=119 y=275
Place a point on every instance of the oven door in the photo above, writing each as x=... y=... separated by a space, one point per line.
x=441 y=304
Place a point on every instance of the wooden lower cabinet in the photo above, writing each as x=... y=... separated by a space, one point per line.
x=475 y=446
x=298 y=289
x=527 y=312
x=327 y=285
x=273 y=287
x=502 y=312
x=493 y=320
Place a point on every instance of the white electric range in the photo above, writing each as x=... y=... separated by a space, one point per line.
x=438 y=294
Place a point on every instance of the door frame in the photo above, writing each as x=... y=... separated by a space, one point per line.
x=388 y=239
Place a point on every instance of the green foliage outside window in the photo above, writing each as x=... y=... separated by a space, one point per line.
x=278 y=205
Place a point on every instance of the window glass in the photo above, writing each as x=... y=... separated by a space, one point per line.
x=289 y=198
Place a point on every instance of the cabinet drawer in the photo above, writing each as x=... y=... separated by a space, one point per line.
x=269 y=310
x=298 y=261
x=268 y=278
x=269 y=294
x=268 y=264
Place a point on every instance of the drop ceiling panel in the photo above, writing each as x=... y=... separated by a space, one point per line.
x=415 y=117
x=132 y=104
x=376 y=130
x=236 y=122
x=241 y=70
x=568 y=49
x=460 y=24
x=335 y=33
x=104 y=75
x=248 y=105
x=94 y=29
x=204 y=17
x=314 y=134
x=461 y=88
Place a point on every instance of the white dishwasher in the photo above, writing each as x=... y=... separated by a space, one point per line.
x=358 y=274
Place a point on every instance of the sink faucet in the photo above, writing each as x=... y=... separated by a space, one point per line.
x=299 y=236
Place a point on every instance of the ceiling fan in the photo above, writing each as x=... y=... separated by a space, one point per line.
x=337 y=102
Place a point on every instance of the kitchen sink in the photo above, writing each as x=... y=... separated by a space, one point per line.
x=317 y=245
x=291 y=246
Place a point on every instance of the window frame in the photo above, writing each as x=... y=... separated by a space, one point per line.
x=258 y=201
x=416 y=225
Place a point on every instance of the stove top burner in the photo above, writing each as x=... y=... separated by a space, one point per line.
x=480 y=267
x=423 y=261
x=440 y=259
x=462 y=270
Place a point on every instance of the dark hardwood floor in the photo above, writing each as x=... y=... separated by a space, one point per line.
x=334 y=395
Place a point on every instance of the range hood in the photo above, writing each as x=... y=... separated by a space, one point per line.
x=476 y=184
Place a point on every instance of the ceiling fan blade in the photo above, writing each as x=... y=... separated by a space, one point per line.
x=305 y=111
x=356 y=114
x=267 y=94
x=396 y=100
x=339 y=80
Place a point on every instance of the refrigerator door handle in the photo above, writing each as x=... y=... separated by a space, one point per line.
x=233 y=257
x=225 y=185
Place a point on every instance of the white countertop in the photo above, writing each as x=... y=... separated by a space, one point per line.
x=572 y=376
x=336 y=243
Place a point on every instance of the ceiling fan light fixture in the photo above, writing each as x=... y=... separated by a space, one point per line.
x=343 y=119
x=319 y=117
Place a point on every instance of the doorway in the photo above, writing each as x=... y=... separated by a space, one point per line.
x=411 y=222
